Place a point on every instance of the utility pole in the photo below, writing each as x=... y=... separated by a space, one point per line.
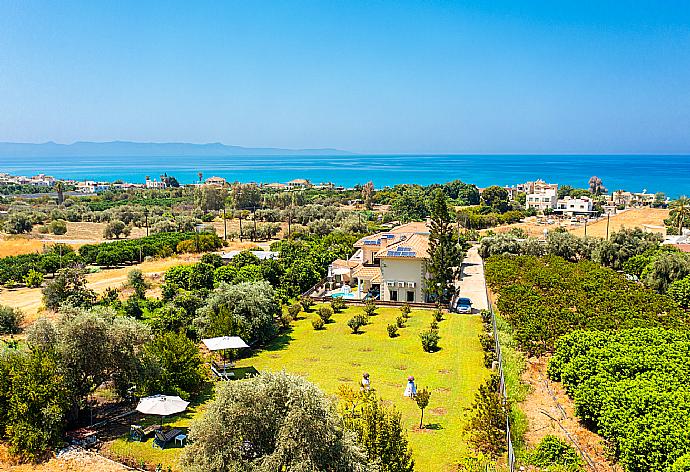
x=608 y=220
x=586 y=226
x=225 y=224
x=254 y=219
x=146 y=219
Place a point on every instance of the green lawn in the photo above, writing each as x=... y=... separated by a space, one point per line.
x=334 y=356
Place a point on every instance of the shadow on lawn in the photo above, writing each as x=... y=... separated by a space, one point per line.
x=279 y=343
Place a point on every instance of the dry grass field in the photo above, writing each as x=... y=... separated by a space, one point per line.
x=15 y=245
x=652 y=217
x=29 y=299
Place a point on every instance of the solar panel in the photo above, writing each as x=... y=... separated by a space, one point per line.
x=400 y=253
x=404 y=248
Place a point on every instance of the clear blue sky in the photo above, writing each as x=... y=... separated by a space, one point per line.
x=378 y=76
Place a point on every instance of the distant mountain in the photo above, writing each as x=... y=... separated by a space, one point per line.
x=128 y=148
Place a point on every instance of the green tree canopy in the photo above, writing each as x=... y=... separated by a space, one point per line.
x=274 y=421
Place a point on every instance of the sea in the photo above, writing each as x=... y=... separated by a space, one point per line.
x=637 y=173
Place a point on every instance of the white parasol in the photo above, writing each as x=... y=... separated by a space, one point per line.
x=224 y=342
x=162 y=405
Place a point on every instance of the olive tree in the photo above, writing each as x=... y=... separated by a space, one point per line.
x=248 y=310
x=274 y=421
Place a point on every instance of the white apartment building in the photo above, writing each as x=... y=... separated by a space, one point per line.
x=575 y=206
x=547 y=198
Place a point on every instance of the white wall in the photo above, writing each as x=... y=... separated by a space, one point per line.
x=402 y=270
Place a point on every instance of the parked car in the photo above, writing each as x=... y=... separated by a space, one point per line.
x=463 y=305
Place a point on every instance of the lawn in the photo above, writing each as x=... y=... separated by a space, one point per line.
x=334 y=356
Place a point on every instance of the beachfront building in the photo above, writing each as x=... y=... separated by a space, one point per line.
x=216 y=181
x=548 y=198
x=388 y=266
x=537 y=187
x=568 y=206
x=540 y=195
x=298 y=184
x=89 y=186
x=154 y=183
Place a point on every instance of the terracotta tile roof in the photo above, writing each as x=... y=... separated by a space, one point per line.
x=369 y=273
x=344 y=263
x=394 y=235
x=683 y=247
x=414 y=247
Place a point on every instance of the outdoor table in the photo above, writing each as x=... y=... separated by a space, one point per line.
x=181 y=439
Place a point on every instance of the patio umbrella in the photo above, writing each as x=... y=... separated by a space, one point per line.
x=162 y=405
x=224 y=342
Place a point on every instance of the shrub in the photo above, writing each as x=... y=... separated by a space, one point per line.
x=356 y=322
x=679 y=291
x=307 y=302
x=438 y=316
x=58 y=227
x=400 y=322
x=294 y=310
x=317 y=323
x=433 y=325
x=554 y=451
x=338 y=304
x=285 y=320
x=392 y=330
x=325 y=313
x=536 y=296
x=405 y=310
x=212 y=259
x=631 y=387
x=430 y=340
x=33 y=279
x=370 y=307
x=10 y=320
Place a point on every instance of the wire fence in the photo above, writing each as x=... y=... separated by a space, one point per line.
x=501 y=383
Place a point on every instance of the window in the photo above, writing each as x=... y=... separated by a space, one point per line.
x=410 y=296
x=393 y=295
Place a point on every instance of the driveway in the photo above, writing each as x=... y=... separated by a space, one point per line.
x=472 y=279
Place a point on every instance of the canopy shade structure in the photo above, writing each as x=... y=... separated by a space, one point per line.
x=224 y=342
x=161 y=405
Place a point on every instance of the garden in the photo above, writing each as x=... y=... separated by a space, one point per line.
x=334 y=356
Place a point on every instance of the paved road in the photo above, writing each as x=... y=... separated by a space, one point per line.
x=472 y=280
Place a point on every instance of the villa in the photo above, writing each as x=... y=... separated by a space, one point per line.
x=298 y=184
x=540 y=195
x=216 y=181
x=568 y=206
x=387 y=266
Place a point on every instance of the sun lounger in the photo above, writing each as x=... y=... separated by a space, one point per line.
x=139 y=433
x=162 y=438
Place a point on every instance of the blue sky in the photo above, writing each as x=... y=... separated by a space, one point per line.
x=384 y=77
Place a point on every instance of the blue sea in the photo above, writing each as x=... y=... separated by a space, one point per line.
x=654 y=173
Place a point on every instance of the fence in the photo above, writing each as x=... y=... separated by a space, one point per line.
x=501 y=382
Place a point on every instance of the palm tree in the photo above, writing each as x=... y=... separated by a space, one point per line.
x=201 y=176
x=60 y=188
x=680 y=212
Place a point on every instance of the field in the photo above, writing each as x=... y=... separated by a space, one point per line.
x=334 y=356
x=653 y=218
x=631 y=218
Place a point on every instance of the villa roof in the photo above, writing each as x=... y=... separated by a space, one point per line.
x=394 y=235
x=370 y=273
x=414 y=247
x=343 y=263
